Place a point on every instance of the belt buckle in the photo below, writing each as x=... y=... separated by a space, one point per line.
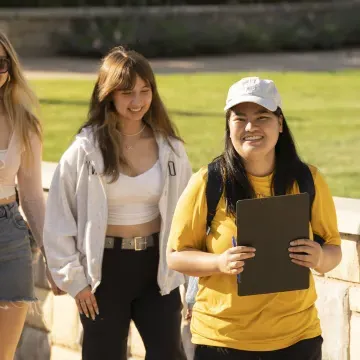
x=140 y=245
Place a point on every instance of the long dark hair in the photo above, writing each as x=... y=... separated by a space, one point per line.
x=118 y=70
x=288 y=167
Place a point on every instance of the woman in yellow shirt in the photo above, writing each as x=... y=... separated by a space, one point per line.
x=259 y=155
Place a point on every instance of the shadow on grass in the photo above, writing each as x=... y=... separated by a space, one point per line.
x=195 y=113
x=64 y=102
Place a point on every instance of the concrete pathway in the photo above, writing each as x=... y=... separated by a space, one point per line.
x=67 y=67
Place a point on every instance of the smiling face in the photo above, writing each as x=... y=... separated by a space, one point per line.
x=3 y=76
x=254 y=131
x=133 y=104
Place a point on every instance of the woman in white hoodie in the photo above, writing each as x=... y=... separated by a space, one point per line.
x=109 y=212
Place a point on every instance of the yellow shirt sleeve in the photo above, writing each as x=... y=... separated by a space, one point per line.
x=188 y=229
x=323 y=215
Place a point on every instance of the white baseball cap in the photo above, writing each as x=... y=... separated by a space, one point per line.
x=255 y=90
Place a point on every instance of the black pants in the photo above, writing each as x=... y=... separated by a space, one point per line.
x=129 y=291
x=309 y=349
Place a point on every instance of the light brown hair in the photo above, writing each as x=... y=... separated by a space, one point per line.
x=118 y=71
x=21 y=104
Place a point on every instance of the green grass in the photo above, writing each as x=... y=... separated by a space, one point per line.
x=322 y=110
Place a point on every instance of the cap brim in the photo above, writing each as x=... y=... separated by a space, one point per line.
x=267 y=104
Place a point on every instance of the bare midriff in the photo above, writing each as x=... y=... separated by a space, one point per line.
x=127 y=231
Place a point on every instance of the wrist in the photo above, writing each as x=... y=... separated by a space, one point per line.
x=320 y=262
x=217 y=264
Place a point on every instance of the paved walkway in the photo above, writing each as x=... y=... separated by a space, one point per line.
x=62 y=67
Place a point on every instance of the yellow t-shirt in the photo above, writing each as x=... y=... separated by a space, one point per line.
x=255 y=323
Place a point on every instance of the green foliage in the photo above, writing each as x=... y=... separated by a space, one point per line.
x=77 y=3
x=186 y=34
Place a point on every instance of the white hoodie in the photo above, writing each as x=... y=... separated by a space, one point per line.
x=76 y=214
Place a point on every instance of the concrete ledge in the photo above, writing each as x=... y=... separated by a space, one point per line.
x=348 y=214
x=34 y=345
x=354 y=297
x=354 y=336
x=66 y=329
x=61 y=353
x=42 y=316
x=349 y=268
x=48 y=169
x=333 y=308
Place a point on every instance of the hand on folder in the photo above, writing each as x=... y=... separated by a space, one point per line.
x=232 y=261
x=305 y=252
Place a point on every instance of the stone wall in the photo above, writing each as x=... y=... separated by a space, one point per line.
x=53 y=331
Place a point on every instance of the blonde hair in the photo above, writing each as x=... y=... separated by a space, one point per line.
x=119 y=70
x=21 y=104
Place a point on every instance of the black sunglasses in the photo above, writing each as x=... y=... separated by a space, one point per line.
x=4 y=65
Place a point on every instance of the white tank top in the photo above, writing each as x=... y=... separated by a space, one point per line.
x=5 y=190
x=135 y=200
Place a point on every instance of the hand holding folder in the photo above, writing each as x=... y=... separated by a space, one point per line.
x=269 y=225
x=231 y=261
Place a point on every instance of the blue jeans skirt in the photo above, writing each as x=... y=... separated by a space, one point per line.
x=16 y=273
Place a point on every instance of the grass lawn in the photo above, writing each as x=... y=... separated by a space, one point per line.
x=322 y=110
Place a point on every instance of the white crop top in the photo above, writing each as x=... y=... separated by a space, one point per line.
x=135 y=200
x=5 y=190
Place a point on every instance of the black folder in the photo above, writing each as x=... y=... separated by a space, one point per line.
x=269 y=225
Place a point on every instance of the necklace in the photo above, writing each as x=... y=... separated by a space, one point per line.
x=142 y=129
x=129 y=147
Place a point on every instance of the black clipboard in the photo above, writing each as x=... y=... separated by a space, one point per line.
x=269 y=224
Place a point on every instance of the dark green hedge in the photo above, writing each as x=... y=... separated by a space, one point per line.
x=102 y=3
x=179 y=34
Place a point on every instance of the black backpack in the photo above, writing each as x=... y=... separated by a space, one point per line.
x=214 y=189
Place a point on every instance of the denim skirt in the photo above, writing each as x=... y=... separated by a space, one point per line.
x=16 y=273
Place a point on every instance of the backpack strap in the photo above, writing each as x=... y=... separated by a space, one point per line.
x=306 y=184
x=214 y=189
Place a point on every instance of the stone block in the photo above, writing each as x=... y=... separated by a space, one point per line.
x=355 y=336
x=354 y=299
x=189 y=347
x=40 y=278
x=66 y=328
x=34 y=345
x=41 y=316
x=348 y=215
x=333 y=308
x=349 y=267
x=61 y=353
x=48 y=170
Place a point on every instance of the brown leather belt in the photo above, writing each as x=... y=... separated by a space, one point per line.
x=136 y=243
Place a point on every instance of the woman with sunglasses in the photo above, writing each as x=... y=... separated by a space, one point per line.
x=20 y=157
x=259 y=160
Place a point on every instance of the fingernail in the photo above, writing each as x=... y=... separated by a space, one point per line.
x=292 y=243
x=97 y=312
